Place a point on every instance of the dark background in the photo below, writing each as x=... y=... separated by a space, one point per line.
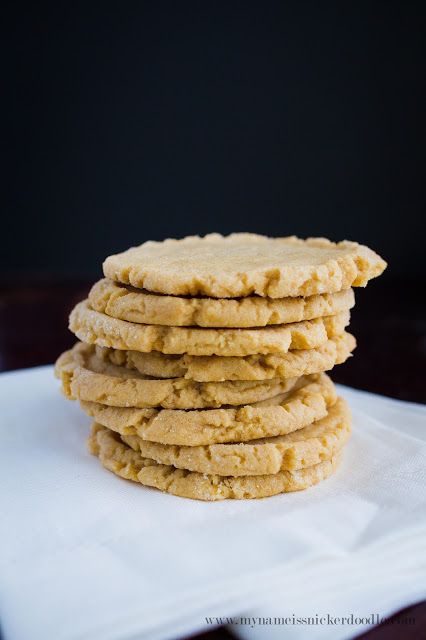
x=128 y=121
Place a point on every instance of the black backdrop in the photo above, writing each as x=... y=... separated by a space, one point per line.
x=128 y=121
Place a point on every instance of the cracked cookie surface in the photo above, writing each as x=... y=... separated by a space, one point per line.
x=294 y=363
x=296 y=450
x=134 y=305
x=131 y=465
x=86 y=377
x=97 y=328
x=244 y=264
x=309 y=400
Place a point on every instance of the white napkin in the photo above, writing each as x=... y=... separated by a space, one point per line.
x=88 y=556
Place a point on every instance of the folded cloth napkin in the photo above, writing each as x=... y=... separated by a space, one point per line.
x=88 y=556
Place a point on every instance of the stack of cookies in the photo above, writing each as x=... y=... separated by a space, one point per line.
x=202 y=362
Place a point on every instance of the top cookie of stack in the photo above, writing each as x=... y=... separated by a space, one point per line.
x=241 y=326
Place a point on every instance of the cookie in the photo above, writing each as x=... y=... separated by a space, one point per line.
x=97 y=328
x=131 y=465
x=244 y=264
x=294 y=363
x=296 y=450
x=86 y=377
x=308 y=401
x=126 y=303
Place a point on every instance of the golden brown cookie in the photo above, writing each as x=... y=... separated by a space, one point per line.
x=308 y=401
x=292 y=364
x=135 y=305
x=86 y=377
x=296 y=450
x=244 y=264
x=131 y=465
x=97 y=328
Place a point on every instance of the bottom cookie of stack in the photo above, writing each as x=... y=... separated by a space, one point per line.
x=256 y=469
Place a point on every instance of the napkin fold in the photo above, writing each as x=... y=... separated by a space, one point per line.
x=88 y=556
